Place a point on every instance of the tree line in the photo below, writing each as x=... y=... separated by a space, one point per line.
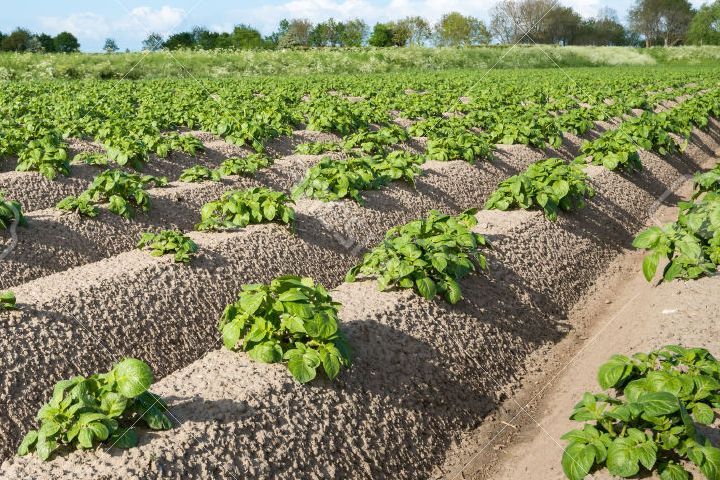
x=649 y=22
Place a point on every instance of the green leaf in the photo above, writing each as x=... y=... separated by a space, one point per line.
x=622 y=459
x=427 y=288
x=577 y=460
x=28 y=442
x=124 y=438
x=302 y=368
x=703 y=414
x=656 y=404
x=231 y=334
x=611 y=373
x=113 y=404
x=650 y=264
x=672 y=471
x=133 y=377
x=266 y=352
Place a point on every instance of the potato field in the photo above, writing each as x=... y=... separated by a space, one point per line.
x=358 y=276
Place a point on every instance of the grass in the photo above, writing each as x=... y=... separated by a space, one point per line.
x=218 y=64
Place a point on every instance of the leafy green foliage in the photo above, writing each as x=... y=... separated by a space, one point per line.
x=102 y=408
x=430 y=255
x=239 y=208
x=7 y=300
x=291 y=320
x=650 y=423
x=376 y=142
x=199 y=173
x=707 y=181
x=331 y=180
x=91 y=158
x=169 y=241
x=691 y=244
x=551 y=185
x=459 y=146
x=614 y=150
x=46 y=155
x=245 y=165
x=317 y=148
x=10 y=210
x=124 y=192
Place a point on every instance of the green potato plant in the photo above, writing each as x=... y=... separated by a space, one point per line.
x=240 y=208
x=650 y=422
x=292 y=319
x=199 y=173
x=102 y=408
x=430 y=256
x=244 y=165
x=169 y=242
x=124 y=192
x=551 y=185
x=691 y=244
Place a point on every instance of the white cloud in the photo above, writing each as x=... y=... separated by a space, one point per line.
x=87 y=24
x=139 y=21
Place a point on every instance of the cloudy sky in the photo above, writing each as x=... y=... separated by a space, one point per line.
x=129 y=21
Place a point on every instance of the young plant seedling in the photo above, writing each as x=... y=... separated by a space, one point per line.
x=7 y=300
x=169 y=242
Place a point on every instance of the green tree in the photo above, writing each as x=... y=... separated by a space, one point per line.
x=274 y=38
x=110 y=46
x=705 y=26
x=153 y=42
x=180 y=40
x=382 y=36
x=204 y=38
x=353 y=33
x=17 y=41
x=46 y=42
x=665 y=21
x=297 y=34
x=453 y=29
x=420 y=31
x=245 y=37
x=66 y=42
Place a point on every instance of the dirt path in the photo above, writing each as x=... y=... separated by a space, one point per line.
x=623 y=314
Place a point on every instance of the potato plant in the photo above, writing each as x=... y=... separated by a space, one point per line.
x=459 y=146
x=240 y=208
x=199 y=173
x=430 y=256
x=550 y=185
x=649 y=423
x=244 y=165
x=124 y=192
x=691 y=244
x=10 y=211
x=45 y=155
x=102 y=408
x=317 y=148
x=292 y=319
x=7 y=300
x=707 y=181
x=169 y=242
x=91 y=158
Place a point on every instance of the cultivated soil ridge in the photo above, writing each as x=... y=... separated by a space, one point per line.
x=424 y=372
x=622 y=314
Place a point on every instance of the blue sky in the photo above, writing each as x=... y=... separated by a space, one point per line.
x=129 y=21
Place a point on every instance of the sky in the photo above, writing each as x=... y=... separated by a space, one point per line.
x=130 y=21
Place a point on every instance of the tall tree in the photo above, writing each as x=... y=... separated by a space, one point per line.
x=665 y=21
x=453 y=29
x=110 y=46
x=66 y=42
x=353 y=33
x=297 y=34
x=46 y=42
x=382 y=36
x=420 y=31
x=17 y=41
x=705 y=26
x=153 y=42
x=180 y=40
x=245 y=37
